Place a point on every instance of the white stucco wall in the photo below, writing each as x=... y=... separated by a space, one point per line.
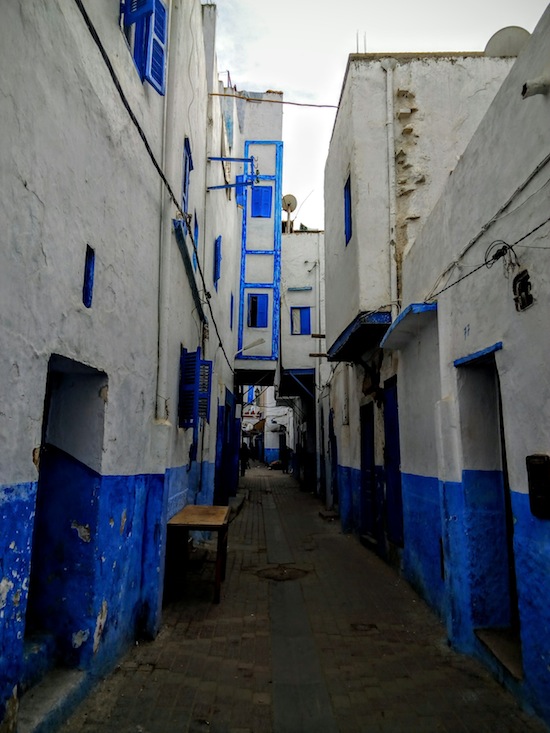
x=75 y=172
x=398 y=156
x=502 y=158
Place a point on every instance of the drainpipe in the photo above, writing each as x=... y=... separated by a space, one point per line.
x=165 y=243
x=389 y=65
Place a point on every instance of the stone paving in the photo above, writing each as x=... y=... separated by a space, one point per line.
x=313 y=634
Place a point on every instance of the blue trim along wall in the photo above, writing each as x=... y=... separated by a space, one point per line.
x=422 y=530
x=532 y=552
x=98 y=584
x=275 y=253
x=16 y=519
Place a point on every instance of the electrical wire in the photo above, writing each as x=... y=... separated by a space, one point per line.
x=503 y=250
x=273 y=101
x=141 y=132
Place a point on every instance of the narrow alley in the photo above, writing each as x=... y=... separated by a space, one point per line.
x=343 y=645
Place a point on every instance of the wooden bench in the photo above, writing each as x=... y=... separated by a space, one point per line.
x=209 y=519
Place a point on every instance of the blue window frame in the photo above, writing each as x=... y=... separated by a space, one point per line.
x=257 y=310
x=187 y=168
x=194 y=389
x=150 y=38
x=89 y=268
x=261 y=201
x=217 y=260
x=300 y=321
x=347 y=210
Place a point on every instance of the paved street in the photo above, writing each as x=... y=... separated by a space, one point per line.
x=331 y=640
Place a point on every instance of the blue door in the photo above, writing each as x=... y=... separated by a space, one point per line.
x=392 y=464
x=370 y=519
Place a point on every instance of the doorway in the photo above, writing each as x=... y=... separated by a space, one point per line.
x=371 y=525
x=488 y=513
x=62 y=555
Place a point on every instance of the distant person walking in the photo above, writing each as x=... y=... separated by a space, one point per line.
x=244 y=455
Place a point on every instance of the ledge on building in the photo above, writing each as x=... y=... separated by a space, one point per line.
x=363 y=333
x=408 y=324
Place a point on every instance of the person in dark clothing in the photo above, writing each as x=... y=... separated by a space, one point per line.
x=244 y=455
x=285 y=458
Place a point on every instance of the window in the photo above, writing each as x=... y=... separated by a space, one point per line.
x=261 y=201
x=187 y=168
x=194 y=390
x=217 y=260
x=347 y=210
x=257 y=311
x=195 y=240
x=300 y=321
x=88 y=286
x=145 y=26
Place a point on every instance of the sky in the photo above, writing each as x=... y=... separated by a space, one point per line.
x=301 y=47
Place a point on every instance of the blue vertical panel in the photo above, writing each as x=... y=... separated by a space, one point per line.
x=239 y=180
x=250 y=395
x=261 y=204
x=347 y=210
x=195 y=241
x=392 y=461
x=217 y=260
x=89 y=268
x=204 y=388
x=305 y=321
x=155 y=66
x=187 y=168
x=136 y=9
x=188 y=393
x=262 y=311
x=231 y=311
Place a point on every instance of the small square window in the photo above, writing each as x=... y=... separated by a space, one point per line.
x=257 y=311
x=300 y=321
x=261 y=201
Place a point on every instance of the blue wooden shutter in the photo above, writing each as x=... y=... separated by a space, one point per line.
x=188 y=407
x=155 y=66
x=231 y=310
x=261 y=320
x=261 y=201
x=305 y=321
x=217 y=260
x=187 y=168
x=135 y=9
x=239 y=180
x=204 y=388
x=347 y=210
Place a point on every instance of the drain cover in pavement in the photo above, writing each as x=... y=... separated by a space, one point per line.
x=281 y=572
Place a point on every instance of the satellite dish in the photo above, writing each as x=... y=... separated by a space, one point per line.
x=289 y=202
x=507 y=41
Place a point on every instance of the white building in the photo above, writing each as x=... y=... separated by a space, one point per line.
x=402 y=124
x=122 y=312
x=471 y=345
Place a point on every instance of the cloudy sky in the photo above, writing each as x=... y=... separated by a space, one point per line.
x=300 y=47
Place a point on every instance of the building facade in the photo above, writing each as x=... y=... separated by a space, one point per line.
x=122 y=314
x=437 y=430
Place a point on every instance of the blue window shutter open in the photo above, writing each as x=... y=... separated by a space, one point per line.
x=261 y=201
x=262 y=311
x=188 y=407
x=305 y=321
x=187 y=168
x=217 y=260
x=204 y=389
x=155 y=66
x=231 y=310
x=136 y=9
x=239 y=180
